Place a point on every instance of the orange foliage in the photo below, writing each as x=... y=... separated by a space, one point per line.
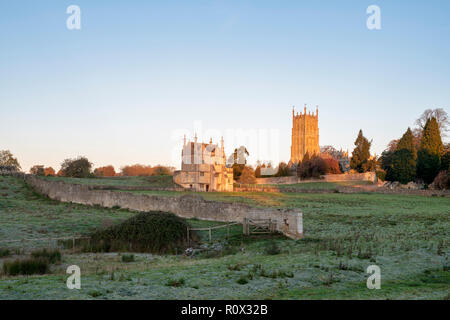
x=332 y=166
x=49 y=171
x=107 y=171
x=136 y=170
x=142 y=170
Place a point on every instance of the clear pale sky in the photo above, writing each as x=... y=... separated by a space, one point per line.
x=139 y=73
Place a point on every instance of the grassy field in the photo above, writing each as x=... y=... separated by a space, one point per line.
x=407 y=236
x=151 y=181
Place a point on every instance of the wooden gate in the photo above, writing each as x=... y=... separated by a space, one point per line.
x=258 y=226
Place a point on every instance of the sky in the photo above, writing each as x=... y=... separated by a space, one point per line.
x=138 y=75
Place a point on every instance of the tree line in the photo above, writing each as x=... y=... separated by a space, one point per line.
x=81 y=167
x=420 y=155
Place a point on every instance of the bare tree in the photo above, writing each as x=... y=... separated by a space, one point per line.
x=441 y=117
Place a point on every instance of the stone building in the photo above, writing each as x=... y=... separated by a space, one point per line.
x=203 y=167
x=305 y=135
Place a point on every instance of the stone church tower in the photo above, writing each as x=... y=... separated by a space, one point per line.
x=305 y=135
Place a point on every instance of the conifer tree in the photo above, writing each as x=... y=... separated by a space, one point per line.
x=403 y=166
x=429 y=154
x=361 y=153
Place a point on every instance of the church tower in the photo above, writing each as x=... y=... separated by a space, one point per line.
x=305 y=135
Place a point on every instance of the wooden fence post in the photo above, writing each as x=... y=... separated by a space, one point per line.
x=188 y=240
x=210 y=235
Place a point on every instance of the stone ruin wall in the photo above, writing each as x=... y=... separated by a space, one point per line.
x=366 y=176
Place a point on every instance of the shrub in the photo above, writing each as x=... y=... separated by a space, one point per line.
x=242 y=280
x=95 y=293
x=27 y=266
x=128 y=258
x=312 y=168
x=332 y=166
x=283 y=170
x=235 y=267
x=4 y=252
x=381 y=174
x=272 y=249
x=175 y=282
x=247 y=176
x=442 y=180
x=52 y=256
x=156 y=232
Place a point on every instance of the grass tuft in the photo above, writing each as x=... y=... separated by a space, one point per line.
x=27 y=266
x=128 y=258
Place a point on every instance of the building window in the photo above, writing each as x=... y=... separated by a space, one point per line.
x=202 y=174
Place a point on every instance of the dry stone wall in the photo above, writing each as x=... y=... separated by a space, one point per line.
x=366 y=176
x=188 y=206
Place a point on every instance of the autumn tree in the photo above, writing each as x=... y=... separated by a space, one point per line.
x=76 y=168
x=49 y=171
x=107 y=171
x=283 y=170
x=37 y=170
x=429 y=154
x=160 y=170
x=258 y=168
x=332 y=166
x=136 y=170
x=312 y=168
x=7 y=159
x=247 y=176
x=361 y=154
